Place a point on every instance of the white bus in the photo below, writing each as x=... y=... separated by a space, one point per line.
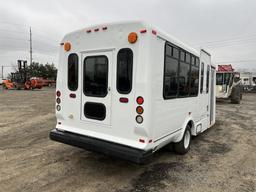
x=128 y=89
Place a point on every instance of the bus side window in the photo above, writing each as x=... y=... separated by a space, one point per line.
x=170 y=89
x=194 y=81
x=202 y=78
x=208 y=79
x=124 y=71
x=73 y=72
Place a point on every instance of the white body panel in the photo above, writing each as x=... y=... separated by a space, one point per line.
x=164 y=120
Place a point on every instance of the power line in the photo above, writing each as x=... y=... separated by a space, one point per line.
x=30 y=45
x=237 y=61
x=223 y=40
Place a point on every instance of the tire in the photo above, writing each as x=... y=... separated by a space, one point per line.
x=183 y=146
x=236 y=95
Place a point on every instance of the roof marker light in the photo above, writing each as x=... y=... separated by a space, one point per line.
x=96 y=29
x=154 y=32
x=104 y=28
x=142 y=141
x=143 y=31
x=89 y=31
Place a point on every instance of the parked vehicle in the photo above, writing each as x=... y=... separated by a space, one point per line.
x=248 y=81
x=228 y=84
x=7 y=84
x=128 y=89
x=20 y=79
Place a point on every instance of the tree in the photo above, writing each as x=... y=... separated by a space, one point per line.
x=47 y=71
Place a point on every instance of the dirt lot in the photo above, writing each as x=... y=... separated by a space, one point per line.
x=221 y=159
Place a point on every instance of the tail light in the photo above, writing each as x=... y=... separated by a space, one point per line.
x=140 y=100
x=58 y=100
x=58 y=93
x=139 y=110
x=58 y=107
x=139 y=119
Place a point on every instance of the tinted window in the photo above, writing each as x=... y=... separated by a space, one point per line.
x=227 y=77
x=187 y=57
x=182 y=56
x=219 y=78
x=170 y=77
x=184 y=73
x=181 y=73
x=193 y=61
x=95 y=111
x=208 y=79
x=73 y=72
x=197 y=62
x=124 y=71
x=96 y=76
x=175 y=53
x=202 y=78
x=168 y=50
x=194 y=81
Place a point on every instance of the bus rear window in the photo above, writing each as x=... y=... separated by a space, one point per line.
x=96 y=76
x=73 y=72
x=124 y=71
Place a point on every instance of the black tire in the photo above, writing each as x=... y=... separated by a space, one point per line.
x=236 y=95
x=183 y=147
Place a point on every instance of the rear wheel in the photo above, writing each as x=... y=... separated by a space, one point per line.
x=183 y=146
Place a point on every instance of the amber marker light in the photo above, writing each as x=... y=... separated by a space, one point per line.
x=67 y=46
x=132 y=37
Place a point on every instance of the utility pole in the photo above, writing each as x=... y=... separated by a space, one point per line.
x=2 y=72
x=30 y=40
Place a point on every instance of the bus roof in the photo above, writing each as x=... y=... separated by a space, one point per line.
x=160 y=33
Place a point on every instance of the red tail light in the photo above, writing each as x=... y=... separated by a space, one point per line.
x=58 y=93
x=140 y=100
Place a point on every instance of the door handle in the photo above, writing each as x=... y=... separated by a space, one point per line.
x=109 y=89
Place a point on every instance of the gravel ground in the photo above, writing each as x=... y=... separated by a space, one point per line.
x=221 y=159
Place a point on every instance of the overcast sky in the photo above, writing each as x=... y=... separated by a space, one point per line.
x=227 y=28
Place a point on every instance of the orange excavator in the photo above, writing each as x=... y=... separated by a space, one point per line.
x=20 y=79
